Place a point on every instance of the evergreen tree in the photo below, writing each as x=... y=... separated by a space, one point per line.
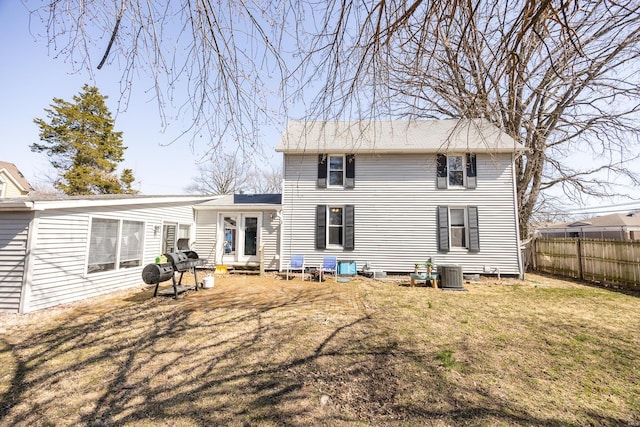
x=83 y=146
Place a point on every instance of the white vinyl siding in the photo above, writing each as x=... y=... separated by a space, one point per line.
x=8 y=187
x=396 y=202
x=61 y=249
x=207 y=236
x=14 y=229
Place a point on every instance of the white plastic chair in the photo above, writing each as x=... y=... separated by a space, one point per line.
x=296 y=263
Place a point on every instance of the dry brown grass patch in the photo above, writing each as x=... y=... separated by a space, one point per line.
x=265 y=351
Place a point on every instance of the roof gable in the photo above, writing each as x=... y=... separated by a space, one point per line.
x=12 y=172
x=400 y=136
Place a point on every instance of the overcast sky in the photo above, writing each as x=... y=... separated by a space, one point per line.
x=29 y=80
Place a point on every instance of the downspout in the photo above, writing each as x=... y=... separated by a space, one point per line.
x=516 y=216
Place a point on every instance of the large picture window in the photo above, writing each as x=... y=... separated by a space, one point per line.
x=114 y=243
x=131 y=244
x=102 y=245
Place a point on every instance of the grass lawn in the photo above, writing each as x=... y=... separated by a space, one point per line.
x=269 y=352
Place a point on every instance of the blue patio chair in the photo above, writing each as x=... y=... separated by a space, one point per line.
x=329 y=266
x=296 y=263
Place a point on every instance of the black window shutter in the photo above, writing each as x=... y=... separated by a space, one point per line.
x=441 y=162
x=471 y=170
x=349 y=227
x=350 y=180
x=443 y=228
x=474 y=235
x=321 y=226
x=322 y=170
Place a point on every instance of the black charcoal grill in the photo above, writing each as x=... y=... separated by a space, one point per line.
x=177 y=262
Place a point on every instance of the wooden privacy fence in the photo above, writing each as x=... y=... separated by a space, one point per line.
x=609 y=262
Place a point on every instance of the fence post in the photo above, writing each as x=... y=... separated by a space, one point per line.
x=579 y=250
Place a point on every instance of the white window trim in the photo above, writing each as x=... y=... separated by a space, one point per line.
x=466 y=229
x=344 y=171
x=118 y=248
x=328 y=225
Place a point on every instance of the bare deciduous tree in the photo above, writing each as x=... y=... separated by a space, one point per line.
x=225 y=173
x=559 y=76
x=563 y=84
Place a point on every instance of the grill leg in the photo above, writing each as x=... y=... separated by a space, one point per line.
x=155 y=292
x=195 y=277
x=175 y=286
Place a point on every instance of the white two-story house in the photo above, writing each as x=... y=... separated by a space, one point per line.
x=389 y=194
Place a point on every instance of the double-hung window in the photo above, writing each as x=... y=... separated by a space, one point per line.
x=335 y=227
x=458 y=228
x=336 y=170
x=114 y=244
x=456 y=170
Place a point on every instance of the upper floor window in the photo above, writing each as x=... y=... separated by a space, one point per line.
x=456 y=170
x=336 y=170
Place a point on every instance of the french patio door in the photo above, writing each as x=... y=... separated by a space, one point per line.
x=241 y=237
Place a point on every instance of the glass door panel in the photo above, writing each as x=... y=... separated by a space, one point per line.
x=250 y=236
x=230 y=235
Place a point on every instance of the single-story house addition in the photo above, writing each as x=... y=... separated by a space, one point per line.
x=62 y=249
x=240 y=230
x=55 y=250
x=389 y=194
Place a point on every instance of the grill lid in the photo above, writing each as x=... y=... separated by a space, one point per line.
x=176 y=258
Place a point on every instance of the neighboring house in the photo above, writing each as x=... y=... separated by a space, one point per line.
x=232 y=229
x=618 y=226
x=62 y=249
x=12 y=182
x=392 y=193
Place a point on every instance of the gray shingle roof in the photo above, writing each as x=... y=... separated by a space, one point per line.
x=396 y=136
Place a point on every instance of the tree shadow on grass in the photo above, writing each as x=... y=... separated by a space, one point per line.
x=290 y=357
